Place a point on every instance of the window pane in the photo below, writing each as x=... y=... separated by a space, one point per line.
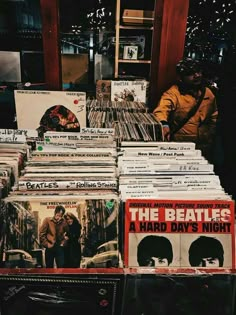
x=21 y=32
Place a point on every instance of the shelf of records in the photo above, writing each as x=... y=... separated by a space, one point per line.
x=130 y=120
x=70 y=112
x=77 y=200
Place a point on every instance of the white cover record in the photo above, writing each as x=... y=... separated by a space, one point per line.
x=48 y=107
x=134 y=91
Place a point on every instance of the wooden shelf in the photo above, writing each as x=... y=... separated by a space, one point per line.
x=121 y=28
x=136 y=27
x=134 y=61
x=163 y=45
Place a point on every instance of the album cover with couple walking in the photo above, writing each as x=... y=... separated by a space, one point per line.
x=59 y=231
x=175 y=233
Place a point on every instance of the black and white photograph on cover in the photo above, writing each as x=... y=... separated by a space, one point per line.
x=154 y=250
x=59 y=233
x=206 y=250
x=132 y=91
x=130 y=52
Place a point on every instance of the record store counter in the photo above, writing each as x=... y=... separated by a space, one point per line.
x=118 y=291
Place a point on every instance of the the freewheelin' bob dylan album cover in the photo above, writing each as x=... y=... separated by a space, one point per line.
x=179 y=233
x=59 y=232
x=51 y=110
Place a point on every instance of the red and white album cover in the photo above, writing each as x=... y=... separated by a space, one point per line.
x=52 y=110
x=175 y=233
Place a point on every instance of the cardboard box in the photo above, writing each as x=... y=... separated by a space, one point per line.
x=75 y=68
x=139 y=17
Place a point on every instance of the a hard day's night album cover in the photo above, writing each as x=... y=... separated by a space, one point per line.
x=179 y=233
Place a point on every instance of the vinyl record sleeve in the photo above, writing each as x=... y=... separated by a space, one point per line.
x=29 y=234
x=53 y=110
x=129 y=91
x=103 y=90
x=130 y=52
x=179 y=233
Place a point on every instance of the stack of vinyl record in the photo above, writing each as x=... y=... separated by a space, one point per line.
x=131 y=120
x=67 y=161
x=76 y=171
x=166 y=170
x=14 y=151
x=175 y=211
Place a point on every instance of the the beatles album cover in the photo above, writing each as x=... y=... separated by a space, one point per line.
x=59 y=232
x=179 y=233
x=59 y=295
x=52 y=110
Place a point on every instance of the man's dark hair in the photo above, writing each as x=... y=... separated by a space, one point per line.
x=188 y=66
x=204 y=247
x=59 y=209
x=154 y=246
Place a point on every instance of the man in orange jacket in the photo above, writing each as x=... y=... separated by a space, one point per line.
x=187 y=110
